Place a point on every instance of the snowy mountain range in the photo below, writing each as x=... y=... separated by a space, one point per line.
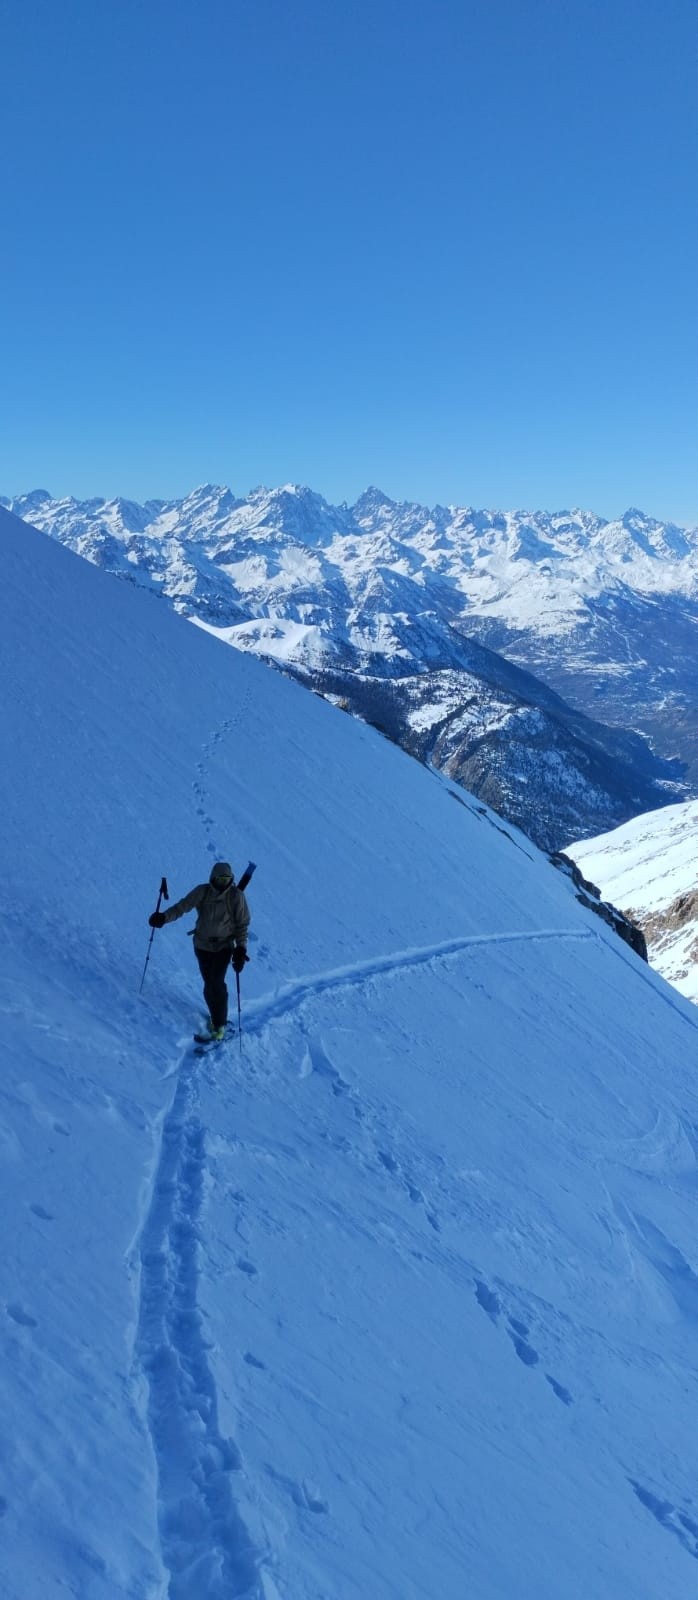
x=398 y=1300
x=402 y=613
x=649 y=867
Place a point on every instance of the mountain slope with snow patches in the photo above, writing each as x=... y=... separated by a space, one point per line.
x=380 y=604
x=400 y=1299
x=648 y=867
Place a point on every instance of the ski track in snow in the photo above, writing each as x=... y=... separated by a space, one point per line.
x=291 y=995
x=206 y=1547
x=205 y=1544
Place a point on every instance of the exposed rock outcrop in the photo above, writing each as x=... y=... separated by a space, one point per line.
x=588 y=895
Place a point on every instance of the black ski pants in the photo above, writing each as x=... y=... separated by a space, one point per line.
x=213 y=965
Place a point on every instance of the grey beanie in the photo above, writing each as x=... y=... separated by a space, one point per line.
x=221 y=870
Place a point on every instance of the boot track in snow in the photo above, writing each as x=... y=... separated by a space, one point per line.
x=206 y=1546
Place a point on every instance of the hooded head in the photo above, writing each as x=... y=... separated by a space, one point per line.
x=221 y=875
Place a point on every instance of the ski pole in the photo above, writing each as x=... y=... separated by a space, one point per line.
x=163 y=895
x=237 y=980
x=250 y=869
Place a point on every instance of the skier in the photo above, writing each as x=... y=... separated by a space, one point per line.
x=220 y=936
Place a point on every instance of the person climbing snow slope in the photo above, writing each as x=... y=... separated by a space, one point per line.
x=220 y=936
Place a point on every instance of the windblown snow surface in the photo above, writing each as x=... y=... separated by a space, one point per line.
x=401 y=1301
x=648 y=868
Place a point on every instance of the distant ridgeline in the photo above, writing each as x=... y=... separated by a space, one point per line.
x=546 y=661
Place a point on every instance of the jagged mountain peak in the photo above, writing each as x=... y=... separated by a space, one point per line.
x=208 y=496
x=293 y=511
x=372 y=499
x=23 y=504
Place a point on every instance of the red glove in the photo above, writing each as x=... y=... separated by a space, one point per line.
x=157 y=920
x=239 y=957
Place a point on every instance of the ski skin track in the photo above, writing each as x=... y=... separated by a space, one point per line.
x=259 y=1012
x=206 y=1547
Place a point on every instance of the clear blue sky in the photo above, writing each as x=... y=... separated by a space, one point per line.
x=445 y=246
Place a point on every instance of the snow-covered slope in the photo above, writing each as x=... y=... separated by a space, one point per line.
x=378 y=604
x=649 y=868
x=401 y=1300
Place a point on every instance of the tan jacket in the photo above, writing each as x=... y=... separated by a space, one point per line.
x=223 y=916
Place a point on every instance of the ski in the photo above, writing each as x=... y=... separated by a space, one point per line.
x=247 y=874
x=204 y=1036
x=204 y=1045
